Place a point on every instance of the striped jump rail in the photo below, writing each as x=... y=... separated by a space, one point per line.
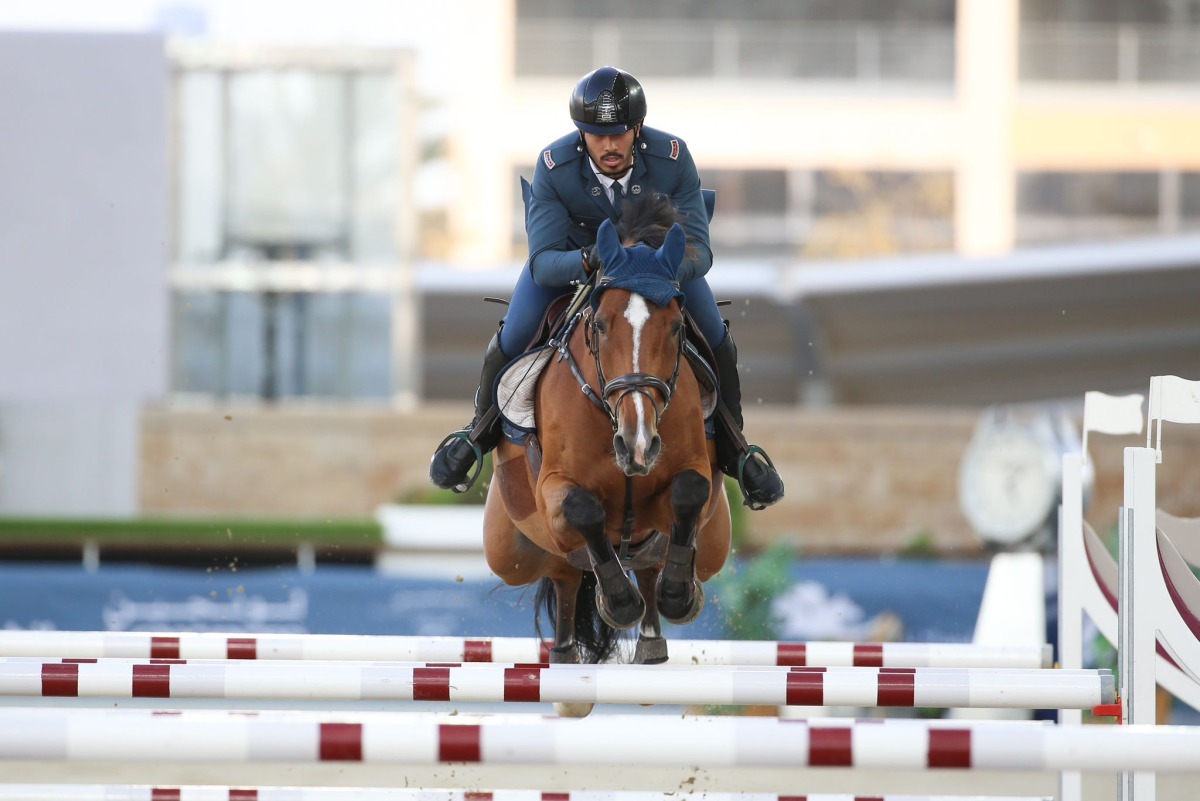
x=602 y=684
x=146 y=739
x=96 y=792
x=330 y=647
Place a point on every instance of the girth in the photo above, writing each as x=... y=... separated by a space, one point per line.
x=647 y=553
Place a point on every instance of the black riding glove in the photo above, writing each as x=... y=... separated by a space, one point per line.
x=591 y=259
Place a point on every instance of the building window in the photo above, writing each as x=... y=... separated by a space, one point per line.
x=1062 y=206
x=287 y=225
x=861 y=214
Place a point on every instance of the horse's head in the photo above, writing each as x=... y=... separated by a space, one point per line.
x=636 y=336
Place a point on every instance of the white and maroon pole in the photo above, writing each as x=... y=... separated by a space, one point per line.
x=143 y=738
x=96 y=792
x=333 y=647
x=602 y=684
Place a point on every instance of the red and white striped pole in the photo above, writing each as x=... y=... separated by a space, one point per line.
x=143 y=738
x=603 y=684
x=335 y=647
x=76 y=792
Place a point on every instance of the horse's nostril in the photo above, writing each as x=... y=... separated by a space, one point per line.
x=620 y=447
x=655 y=445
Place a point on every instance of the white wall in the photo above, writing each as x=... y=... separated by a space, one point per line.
x=83 y=255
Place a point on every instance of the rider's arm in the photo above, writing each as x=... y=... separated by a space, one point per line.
x=549 y=228
x=694 y=218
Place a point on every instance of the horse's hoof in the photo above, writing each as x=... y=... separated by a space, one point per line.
x=650 y=651
x=567 y=655
x=680 y=607
x=621 y=606
x=680 y=596
x=573 y=710
x=621 y=616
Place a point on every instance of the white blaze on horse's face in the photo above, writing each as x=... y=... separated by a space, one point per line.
x=637 y=313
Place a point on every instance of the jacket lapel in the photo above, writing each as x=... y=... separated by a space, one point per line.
x=595 y=190
x=637 y=179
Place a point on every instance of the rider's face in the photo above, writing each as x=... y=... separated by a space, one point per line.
x=612 y=154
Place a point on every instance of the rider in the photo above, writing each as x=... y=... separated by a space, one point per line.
x=572 y=194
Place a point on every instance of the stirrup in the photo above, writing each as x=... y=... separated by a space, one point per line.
x=465 y=436
x=741 y=469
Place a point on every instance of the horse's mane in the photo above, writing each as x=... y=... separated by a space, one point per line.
x=646 y=219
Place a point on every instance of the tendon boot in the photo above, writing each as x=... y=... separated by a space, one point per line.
x=755 y=472
x=456 y=455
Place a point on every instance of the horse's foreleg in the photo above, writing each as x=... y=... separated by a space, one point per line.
x=619 y=603
x=565 y=650
x=566 y=593
x=651 y=645
x=680 y=596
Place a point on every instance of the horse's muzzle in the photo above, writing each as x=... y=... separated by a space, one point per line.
x=631 y=461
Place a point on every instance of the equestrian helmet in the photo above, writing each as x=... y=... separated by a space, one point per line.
x=607 y=101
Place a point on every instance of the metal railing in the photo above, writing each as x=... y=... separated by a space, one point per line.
x=855 y=53
x=741 y=51
x=1124 y=54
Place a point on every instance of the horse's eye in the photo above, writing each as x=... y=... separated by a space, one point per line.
x=601 y=327
x=677 y=328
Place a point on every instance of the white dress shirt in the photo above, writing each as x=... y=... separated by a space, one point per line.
x=608 y=184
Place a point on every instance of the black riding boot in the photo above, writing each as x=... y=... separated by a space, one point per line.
x=755 y=473
x=452 y=462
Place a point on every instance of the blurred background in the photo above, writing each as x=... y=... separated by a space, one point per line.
x=243 y=247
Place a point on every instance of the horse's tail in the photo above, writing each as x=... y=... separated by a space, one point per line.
x=597 y=641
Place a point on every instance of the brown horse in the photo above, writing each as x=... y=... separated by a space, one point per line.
x=624 y=460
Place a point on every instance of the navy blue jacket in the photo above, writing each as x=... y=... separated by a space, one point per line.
x=568 y=203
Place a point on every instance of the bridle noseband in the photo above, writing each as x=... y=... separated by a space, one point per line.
x=629 y=383
x=620 y=386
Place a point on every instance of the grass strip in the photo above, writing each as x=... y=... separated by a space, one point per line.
x=175 y=532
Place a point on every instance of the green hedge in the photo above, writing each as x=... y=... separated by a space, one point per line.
x=365 y=534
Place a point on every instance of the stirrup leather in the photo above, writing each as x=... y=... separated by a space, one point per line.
x=751 y=450
x=465 y=436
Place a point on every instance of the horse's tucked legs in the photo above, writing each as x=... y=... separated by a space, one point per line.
x=680 y=596
x=651 y=645
x=619 y=603
x=566 y=591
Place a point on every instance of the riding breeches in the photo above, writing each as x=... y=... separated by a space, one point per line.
x=530 y=300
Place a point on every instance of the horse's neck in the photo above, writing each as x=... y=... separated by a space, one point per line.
x=572 y=401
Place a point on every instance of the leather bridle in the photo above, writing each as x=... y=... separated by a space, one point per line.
x=622 y=385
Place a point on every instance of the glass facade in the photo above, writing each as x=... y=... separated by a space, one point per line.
x=278 y=170
x=1074 y=206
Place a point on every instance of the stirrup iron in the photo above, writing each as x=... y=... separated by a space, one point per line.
x=465 y=436
x=751 y=450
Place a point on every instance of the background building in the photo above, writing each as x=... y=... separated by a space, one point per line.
x=328 y=191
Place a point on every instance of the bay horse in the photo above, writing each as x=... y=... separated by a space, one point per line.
x=628 y=480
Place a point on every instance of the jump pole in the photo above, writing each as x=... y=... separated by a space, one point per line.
x=379 y=648
x=58 y=737
x=95 y=792
x=602 y=684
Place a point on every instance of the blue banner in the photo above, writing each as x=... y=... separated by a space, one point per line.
x=835 y=599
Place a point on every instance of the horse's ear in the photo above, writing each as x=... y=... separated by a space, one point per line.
x=673 y=248
x=609 y=245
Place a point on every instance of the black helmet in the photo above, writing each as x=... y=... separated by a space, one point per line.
x=607 y=101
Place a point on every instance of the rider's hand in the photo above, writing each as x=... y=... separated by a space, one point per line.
x=591 y=259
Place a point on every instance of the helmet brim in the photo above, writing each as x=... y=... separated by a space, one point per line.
x=603 y=130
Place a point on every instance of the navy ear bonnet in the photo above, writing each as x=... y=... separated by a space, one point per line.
x=641 y=269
